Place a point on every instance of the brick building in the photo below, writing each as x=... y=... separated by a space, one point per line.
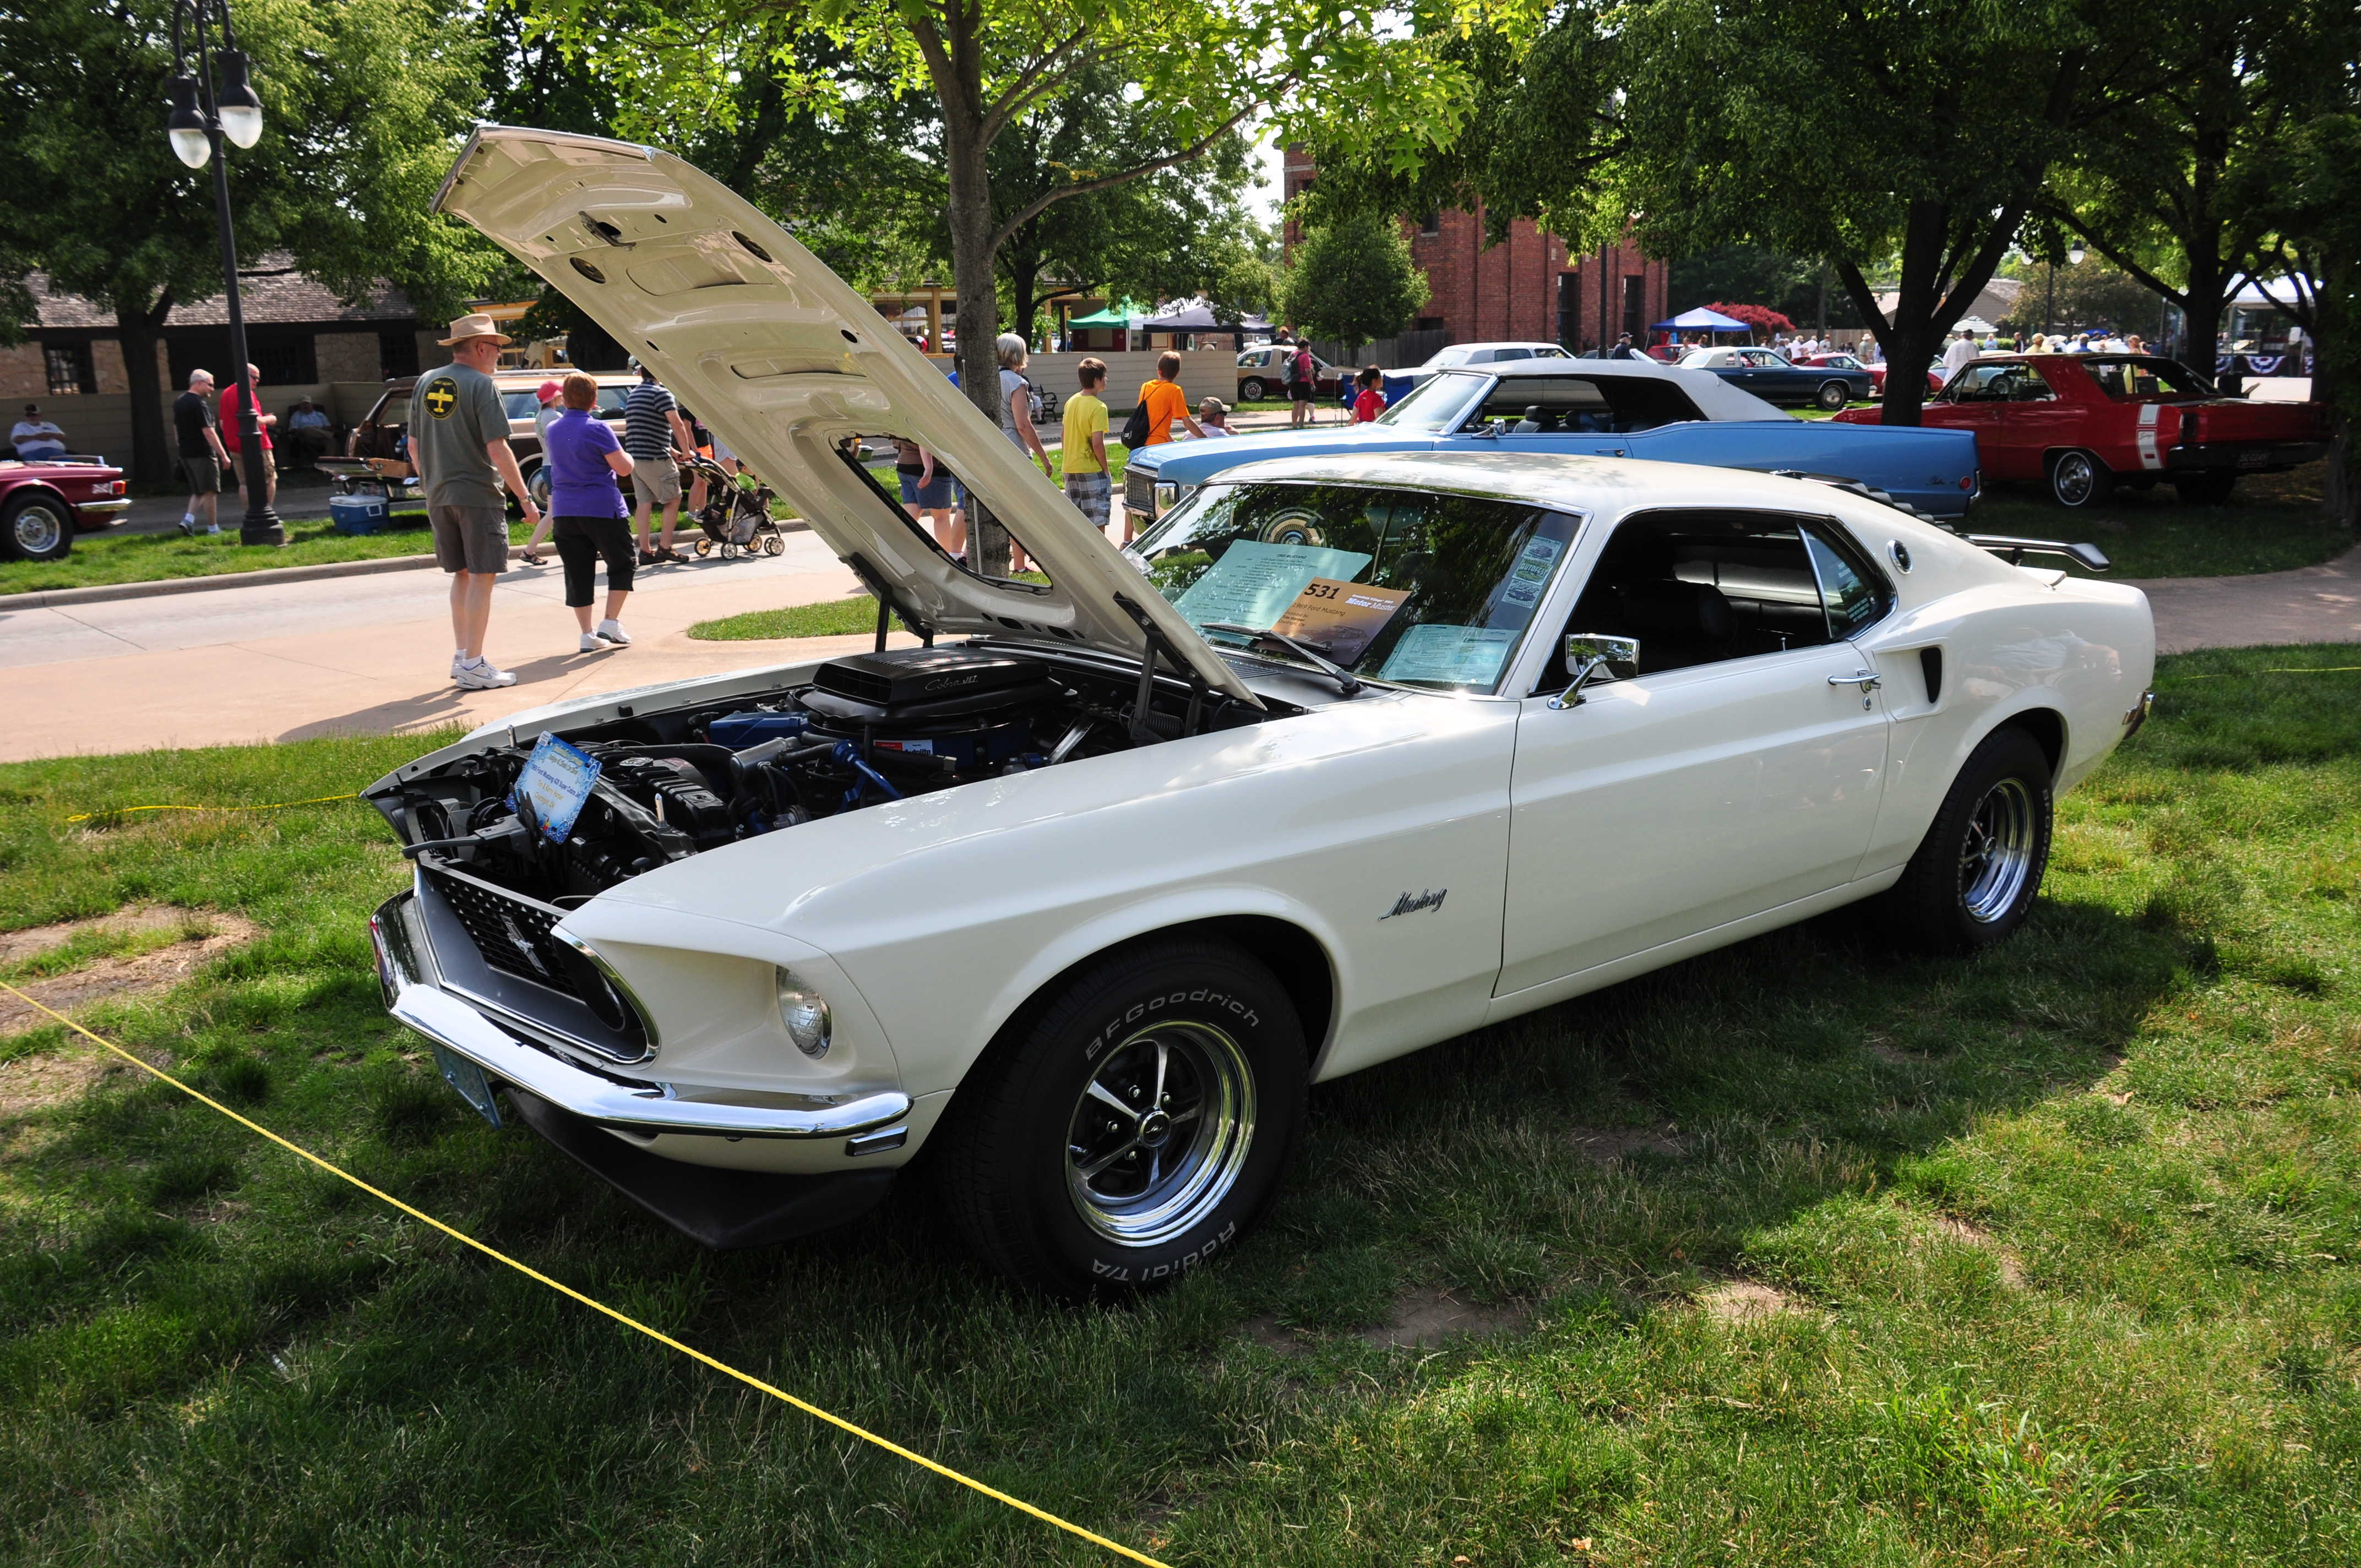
x=1528 y=287
x=299 y=333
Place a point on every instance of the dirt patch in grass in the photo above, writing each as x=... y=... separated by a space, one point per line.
x=51 y=1077
x=1744 y=1301
x=107 y=976
x=1425 y=1316
x=2011 y=1272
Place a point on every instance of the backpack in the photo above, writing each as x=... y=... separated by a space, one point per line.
x=1137 y=428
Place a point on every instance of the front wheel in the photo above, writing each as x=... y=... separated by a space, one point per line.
x=1834 y=395
x=1976 y=874
x=1252 y=390
x=35 y=528
x=2079 y=479
x=1134 y=1127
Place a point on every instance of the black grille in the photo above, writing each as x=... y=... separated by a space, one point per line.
x=1140 y=491
x=513 y=933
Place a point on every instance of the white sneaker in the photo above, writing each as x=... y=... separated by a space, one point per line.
x=483 y=675
x=188 y=523
x=612 y=630
x=213 y=528
x=458 y=663
x=591 y=644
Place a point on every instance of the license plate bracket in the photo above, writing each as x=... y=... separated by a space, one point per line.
x=469 y=1080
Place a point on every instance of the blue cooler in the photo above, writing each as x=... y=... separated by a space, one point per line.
x=358 y=514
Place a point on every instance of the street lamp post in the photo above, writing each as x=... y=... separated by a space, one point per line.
x=201 y=115
x=2049 y=305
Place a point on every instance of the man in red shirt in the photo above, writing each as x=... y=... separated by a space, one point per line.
x=232 y=400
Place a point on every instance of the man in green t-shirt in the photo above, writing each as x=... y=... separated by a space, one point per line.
x=1084 y=448
x=459 y=446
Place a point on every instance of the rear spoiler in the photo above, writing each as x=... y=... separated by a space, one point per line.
x=2089 y=557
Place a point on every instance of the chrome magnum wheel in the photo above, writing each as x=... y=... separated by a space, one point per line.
x=1977 y=872
x=1998 y=854
x=2079 y=479
x=1160 y=1133
x=1131 y=1124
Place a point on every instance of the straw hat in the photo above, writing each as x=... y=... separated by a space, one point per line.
x=477 y=324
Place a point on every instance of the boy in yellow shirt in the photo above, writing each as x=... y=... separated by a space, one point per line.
x=1084 y=448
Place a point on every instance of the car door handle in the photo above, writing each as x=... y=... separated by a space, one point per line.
x=1867 y=680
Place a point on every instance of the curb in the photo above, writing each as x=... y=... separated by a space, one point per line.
x=44 y=598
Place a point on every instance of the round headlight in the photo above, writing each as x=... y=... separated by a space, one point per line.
x=805 y=1013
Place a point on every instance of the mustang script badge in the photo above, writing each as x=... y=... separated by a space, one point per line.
x=1410 y=904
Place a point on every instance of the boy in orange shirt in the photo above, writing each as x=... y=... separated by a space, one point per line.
x=1166 y=402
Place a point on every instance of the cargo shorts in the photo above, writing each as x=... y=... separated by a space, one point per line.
x=655 y=480
x=470 y=539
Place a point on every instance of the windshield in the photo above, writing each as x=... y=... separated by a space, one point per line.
x=1437 y=403
x=1403 y=586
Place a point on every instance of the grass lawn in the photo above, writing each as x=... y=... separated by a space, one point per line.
x=1793 y=1254
x=150 y=557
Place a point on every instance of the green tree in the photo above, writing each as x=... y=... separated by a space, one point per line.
x=1198 y=69
x=2150 y=187
x=1353 y=279
x=2093 y=295
x=364 y=101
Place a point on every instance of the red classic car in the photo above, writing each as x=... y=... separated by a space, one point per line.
x=44 y=502
x=2083 y=422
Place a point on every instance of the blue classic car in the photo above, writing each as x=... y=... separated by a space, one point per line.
x=1771 y=377
x=1602 y=408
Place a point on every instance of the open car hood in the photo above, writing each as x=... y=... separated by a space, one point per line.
x=776 y=353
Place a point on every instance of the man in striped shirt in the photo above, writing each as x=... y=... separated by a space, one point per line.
x=657 y=439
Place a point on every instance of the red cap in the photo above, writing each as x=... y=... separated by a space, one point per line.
x=547 y=391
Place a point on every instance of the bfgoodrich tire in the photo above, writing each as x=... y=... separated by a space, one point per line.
x=1133 y=1127
x=1976 y=874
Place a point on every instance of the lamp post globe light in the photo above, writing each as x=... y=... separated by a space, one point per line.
x=204 y=111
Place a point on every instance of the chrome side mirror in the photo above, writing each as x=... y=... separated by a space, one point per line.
x=1587 y=652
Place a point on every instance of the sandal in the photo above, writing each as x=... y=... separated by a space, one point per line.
x=530 y=559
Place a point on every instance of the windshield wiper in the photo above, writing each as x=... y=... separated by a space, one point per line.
x=1347 y=682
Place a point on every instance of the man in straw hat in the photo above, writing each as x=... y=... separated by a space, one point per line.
x=459 y=445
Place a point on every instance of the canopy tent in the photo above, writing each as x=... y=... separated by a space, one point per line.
x=1124 y=314
x=1973 y=324
x=2280 y=292
x=1199 y=318
x=1701 y=320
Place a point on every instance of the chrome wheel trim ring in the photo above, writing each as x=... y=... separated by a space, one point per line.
x=2074 y=479
x=37 y=527
x=1160 y=1133
x=1996 y=857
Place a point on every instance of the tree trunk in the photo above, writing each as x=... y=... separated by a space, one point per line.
x=2341 y=496
x=154 y=460
x=972 y=271
x=1923 y=309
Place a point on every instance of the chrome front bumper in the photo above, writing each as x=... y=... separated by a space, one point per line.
x=413 y=994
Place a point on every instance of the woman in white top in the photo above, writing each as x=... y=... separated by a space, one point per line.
x=1016 y=420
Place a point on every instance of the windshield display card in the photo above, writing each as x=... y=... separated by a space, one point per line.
x=1253 y=583
x=549 y=793
x=1341 y=620
x=1449 y=655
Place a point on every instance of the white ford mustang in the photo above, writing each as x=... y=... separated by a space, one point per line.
x=1347 y=757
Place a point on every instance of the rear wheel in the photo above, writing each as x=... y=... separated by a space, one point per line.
x=2079 y=479
x=1976 y=874
x=1133 y=1128
x=1253 y=390
x=35 y=528
x=2210 y=488
x=1834 y=395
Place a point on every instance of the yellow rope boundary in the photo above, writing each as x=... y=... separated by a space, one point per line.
x=2283 y=670
x=863 y=1434
x=275 y=806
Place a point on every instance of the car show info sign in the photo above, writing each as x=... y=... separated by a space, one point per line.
x=1253 y=584
x=552 y=787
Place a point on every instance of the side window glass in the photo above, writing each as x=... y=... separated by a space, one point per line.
x=1854 y=598
x=1701 y=587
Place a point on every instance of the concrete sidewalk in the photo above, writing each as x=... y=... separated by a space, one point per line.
x=2312 y=604
x=366 y=655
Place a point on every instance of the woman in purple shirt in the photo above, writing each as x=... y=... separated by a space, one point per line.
x=584 y=460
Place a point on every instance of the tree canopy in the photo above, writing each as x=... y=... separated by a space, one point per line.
x=1353 y=280
x=363 y=101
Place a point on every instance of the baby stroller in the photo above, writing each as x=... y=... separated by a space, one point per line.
x=736 y=521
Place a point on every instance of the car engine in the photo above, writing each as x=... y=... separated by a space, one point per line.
x=868 y=729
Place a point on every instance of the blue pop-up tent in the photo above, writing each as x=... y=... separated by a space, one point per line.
x=1701 y=320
